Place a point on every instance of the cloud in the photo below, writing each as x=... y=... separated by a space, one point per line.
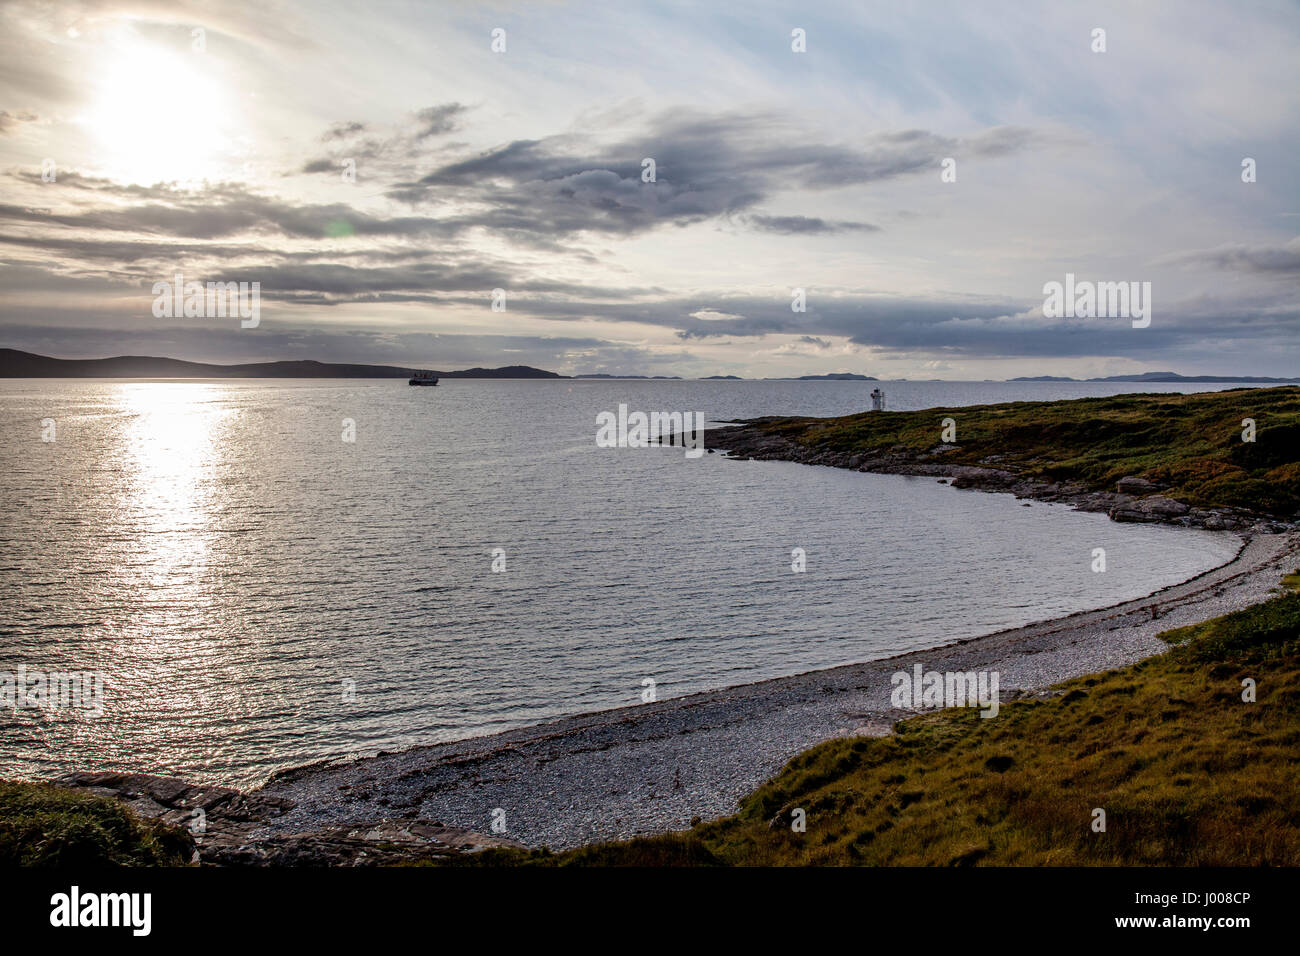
x=344 y=130
x=706 y=166
x=323 y=165
x=538 y=194
x=221 y=211
x=806 y=225
x=1279 y=261
x=9 y=122
x=398 y=148
x=436 y=120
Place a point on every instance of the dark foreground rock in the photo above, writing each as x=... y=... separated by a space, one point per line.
x=230 y=828
x=1135 y=499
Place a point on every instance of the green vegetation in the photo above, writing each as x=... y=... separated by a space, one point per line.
x=44 y=825
x=1193 y=443
x=1188 y=773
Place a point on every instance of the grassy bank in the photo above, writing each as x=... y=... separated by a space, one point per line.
x=1188 y=774
x=1192 y=443
x=43 y=825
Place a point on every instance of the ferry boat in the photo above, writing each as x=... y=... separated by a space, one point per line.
x=423 y=378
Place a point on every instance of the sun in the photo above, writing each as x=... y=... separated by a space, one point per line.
x=159 y=116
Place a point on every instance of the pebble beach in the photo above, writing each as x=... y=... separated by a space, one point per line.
x=656 y=767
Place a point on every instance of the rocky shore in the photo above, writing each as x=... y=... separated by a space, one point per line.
x=1134 y=499
x=231 y=828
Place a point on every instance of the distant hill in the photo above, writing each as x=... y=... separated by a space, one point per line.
x=16 y=364
x=721 y=378
x=1154 y=377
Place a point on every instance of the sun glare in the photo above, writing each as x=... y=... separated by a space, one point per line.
x=171 y=448
x=159 y=116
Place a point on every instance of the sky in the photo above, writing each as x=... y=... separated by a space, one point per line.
x=380 y=169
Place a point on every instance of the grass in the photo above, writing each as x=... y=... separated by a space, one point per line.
x=1193 y=443
x=1187 y=773
x=43 y=825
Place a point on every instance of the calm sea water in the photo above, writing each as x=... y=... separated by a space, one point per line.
x=259 y=592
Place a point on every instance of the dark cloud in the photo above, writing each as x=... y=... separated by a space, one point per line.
x=125 y=252
x=1279 y=261
x=229 y=210
x=320 y=166
x=705 y=166
x=806 y=225
x=319 y=277
x=335 y=283
x=342 y=131
x=436 y=120
x=74 y=179
x=398 y=149
x=540 y=193
x=967 y=326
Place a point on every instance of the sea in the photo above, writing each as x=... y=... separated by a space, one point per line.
x=220 y=579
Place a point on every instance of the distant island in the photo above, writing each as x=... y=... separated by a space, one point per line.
x=16 y=364
x=1153 y=377
x=607 y=375
x=834 y=377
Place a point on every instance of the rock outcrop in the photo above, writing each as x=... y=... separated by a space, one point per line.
x=229 y=827
x=1132 y=485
